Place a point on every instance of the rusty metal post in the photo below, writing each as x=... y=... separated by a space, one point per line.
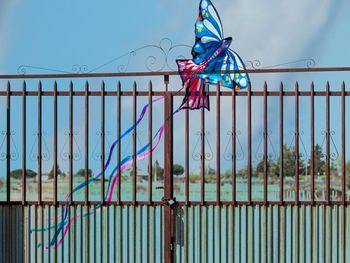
x=168 y=179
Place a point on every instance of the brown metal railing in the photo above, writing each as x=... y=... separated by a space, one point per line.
x=169 y=196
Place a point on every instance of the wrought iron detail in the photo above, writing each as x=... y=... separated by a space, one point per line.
x=252 y=64
x=302 y=155
x=256 y=64
x=260 y=154
x=45 y=153
x=164 y=56
x=64 y=154
x=14 y=154
x=333 y=155
x=228 y=155
x=96 y=153
x=196 y=154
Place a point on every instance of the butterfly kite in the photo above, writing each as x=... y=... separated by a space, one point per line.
x=213 y=63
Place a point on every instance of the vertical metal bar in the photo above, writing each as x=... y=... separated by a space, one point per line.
x=8 y=140
x=343 y=169
x=75 y=234
x=271 y=234
x=24 y=143
x=202 y=165
x=55 y=228
x=29 y=239
x=87 y=229
x=55 y=144
x=233 y=139
x=328 y=186
x=343 y=160
x=265 y=144
x=35 y=233
x=115 y=250
x=219 y=255
x=71 y=142
x=55 y=161
x=278 y=234
x=233 y=208
x=311 y=233
x=82 y=234
x=218 y=145
x=148 y=243
x=344 y=227
x=39 y=143
x=69 y=236
x=150 y=170
x=134 y=234
x=187 y=159
x=42 y=232
x=62 y=233
x=281 y=145
x=87 y=144
x=102 y=142
x=249 y=146
x=312 y=145
x=324 y=228
x=95 y=238
x=297 y=234
x=134 y=166
x=118 y=136
x=168 y=179
x=101 y=234
x=108 y=235
x=266 y=243
x=296 y=168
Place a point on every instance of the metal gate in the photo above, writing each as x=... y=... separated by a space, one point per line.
x=304 y=220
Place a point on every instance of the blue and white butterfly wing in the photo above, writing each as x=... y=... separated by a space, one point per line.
x=208 y=32
x=234 y=71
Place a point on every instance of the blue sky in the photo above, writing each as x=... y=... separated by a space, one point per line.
x=60 y=34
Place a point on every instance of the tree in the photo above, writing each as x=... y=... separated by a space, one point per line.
x=81 y=173
x=17 y=174
x=319 y=164
x=178 y=169
x=51 y=173
x=273 y=166
x=242 y=173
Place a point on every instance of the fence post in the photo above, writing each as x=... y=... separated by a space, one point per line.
x=168 y=176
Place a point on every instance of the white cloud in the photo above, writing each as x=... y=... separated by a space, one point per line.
x=274 y=31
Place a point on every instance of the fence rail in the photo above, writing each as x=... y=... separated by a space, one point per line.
x=168 y=204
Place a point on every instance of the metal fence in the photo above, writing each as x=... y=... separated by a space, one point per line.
x=179 y=229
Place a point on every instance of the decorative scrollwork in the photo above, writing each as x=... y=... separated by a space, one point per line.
x=253 y=64
x=196 y=154
x=164 y=57
x=80 y=69
x=228 y=155
x=76 y=155
x=14 y=154
x=260 y=155
x=333 y=155
x=302 y=155
x=309 y=63
x=45 y=153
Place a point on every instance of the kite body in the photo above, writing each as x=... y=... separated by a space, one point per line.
x=213 y=61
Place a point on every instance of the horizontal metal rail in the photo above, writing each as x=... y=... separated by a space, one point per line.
x=168 y=73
